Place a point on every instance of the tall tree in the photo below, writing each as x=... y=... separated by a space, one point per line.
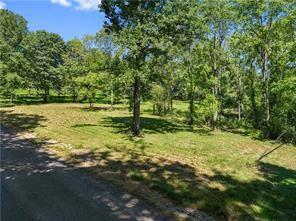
x=181 y=28
x=218 y=15
x=133 y=22
x=260 y=21
x=44 y=50
x=13 y=65
x=74 y=65
x=104 y=42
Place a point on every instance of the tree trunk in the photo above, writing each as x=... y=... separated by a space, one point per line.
x=191 y=103
x=136 y=107
x=240 y=97
x=46 y=95
x=215 y=114
x=74 y=95
x=253 y=102
x=239 y=112
x=216 y=76
x=266 y=76
x=111 y=96
x=171 y=103
x=91 y=103
x=11 y=99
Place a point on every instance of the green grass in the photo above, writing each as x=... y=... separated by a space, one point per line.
x=193 y=167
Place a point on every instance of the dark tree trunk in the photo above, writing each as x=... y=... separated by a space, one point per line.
x=266 y=76
x=11 y=98
x=136 y=107
x=171 y=103
x=254 y=106
x=74 y=95
x=46 y=95
x=74 y=98
x=240 y=98
x=111 y=96
x=191 y=102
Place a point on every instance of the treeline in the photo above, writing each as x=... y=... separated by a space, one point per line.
x=232 y=60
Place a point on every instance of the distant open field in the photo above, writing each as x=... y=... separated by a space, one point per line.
x=214 y=171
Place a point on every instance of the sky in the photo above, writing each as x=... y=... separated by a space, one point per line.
x=69 y=18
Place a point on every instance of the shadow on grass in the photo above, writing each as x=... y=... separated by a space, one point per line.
x=55 y=190
x=270 y=197
x=151 y=125
x=103 y=108
x=20 y=122
x=84 y=125
x=187 y=187
x=249 y=132
x=34 y=100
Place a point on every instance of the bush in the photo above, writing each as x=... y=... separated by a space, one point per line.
x=275 y=129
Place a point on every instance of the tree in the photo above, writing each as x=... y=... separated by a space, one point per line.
x=168 y=74
x=261 y=22
x=89 y=86
x=104 y=42
x=181 y=28
x=133 y=23
x=13 y=28
x=285 y=108
x=74 y=60
x=13 y=65
x=12 y=81
x=159 y=99
x=44 y=51
x=219 y=18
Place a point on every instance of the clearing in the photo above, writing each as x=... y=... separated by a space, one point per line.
x=191 y=167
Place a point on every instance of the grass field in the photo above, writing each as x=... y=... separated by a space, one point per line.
x=214 y=171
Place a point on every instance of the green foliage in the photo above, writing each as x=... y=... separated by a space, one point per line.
x=74 y=65
x=233 y=61
x=13 y=28
x=89 y=86
x=13 y=65
x=227 y=64
x=159 y=99
x=10 y=84
x=44 y=51
x=206 y=108
x=283 y=109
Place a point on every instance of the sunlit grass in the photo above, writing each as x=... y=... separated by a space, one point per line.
x=194 y=167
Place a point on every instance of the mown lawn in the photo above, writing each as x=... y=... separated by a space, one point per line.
x=213 y=171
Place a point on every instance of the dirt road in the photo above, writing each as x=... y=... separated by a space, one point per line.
x=36 y=186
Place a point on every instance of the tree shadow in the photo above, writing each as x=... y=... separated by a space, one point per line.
x=21 y=122
x=93 y=109
x=35 y=99
x=252 y=133
x=84 y=125
x=36 y=183
x=149 y=125
x=221 y=195
x=270 y=196
x=273 y=193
